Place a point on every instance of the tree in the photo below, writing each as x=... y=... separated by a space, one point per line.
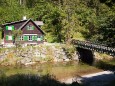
x=64 y=19
x=16 y=35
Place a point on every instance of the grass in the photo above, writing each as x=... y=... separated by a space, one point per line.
x=103 y=56
x=106 y=64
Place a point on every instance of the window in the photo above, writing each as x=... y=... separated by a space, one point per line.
x=21 y=38
x=35 y=38
x=40 y=38
x=30 y=27
x=9 y=27
x=9 y=37
x=25 y=38
x=30 y=38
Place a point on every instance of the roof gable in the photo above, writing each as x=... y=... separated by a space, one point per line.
x=22 y=23
x=21 y=27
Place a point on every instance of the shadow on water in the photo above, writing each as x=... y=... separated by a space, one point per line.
x=32 y=80
x=100 y=80
x=86 y=56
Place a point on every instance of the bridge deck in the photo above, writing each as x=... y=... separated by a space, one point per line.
x=94 y=47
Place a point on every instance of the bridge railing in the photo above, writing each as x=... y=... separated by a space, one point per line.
x=94 y=47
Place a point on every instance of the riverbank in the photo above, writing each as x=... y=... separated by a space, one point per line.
x=96 y=79
x=49 y=52
x=54 y=59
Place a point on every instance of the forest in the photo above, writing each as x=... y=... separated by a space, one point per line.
x=64 y=20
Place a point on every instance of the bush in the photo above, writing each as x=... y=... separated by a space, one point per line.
x=69 y=51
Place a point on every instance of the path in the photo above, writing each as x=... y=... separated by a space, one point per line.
x=96 y=79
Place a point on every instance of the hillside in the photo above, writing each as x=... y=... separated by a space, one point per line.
x=66 y=19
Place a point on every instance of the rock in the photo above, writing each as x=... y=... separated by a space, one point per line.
x=25 y=60
x=28 y=54
x=30 y=63
x=66 y=60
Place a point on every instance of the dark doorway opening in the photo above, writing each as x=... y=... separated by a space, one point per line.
x=85 y=55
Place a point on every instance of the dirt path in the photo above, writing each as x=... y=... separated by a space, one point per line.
x=96 y=79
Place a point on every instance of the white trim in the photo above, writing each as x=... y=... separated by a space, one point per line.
x=21 y=38
x=30 y=43
x=9 y=45
x=30 y=34
x=9 y=37
x=38 y=39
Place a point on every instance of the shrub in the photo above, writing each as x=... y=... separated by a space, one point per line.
x=69 y=50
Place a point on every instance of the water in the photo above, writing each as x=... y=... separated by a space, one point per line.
x=61 y=70
x=44 y=68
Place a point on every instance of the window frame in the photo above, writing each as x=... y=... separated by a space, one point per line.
x=30 y=38
x=11 y=26
x=21 y=38
x=30 y=27
x=7 y=38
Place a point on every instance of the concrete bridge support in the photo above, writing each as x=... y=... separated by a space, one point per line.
x=85 y=55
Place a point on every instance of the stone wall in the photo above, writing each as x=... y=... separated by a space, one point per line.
x=33 y=54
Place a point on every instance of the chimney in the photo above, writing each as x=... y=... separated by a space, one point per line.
x=24 y=17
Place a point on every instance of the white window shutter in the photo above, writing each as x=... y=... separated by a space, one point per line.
x=9 y=37
x=9 y=27
x=38 y=39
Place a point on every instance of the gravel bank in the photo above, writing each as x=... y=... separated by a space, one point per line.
x=96 y=79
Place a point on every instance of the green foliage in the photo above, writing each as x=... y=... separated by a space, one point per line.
x=17 y=34
x=0 y=33
x=93 y=19
x=69 y=51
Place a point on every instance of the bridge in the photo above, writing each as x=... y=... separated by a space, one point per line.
x=85 y=50
x=94 y=47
